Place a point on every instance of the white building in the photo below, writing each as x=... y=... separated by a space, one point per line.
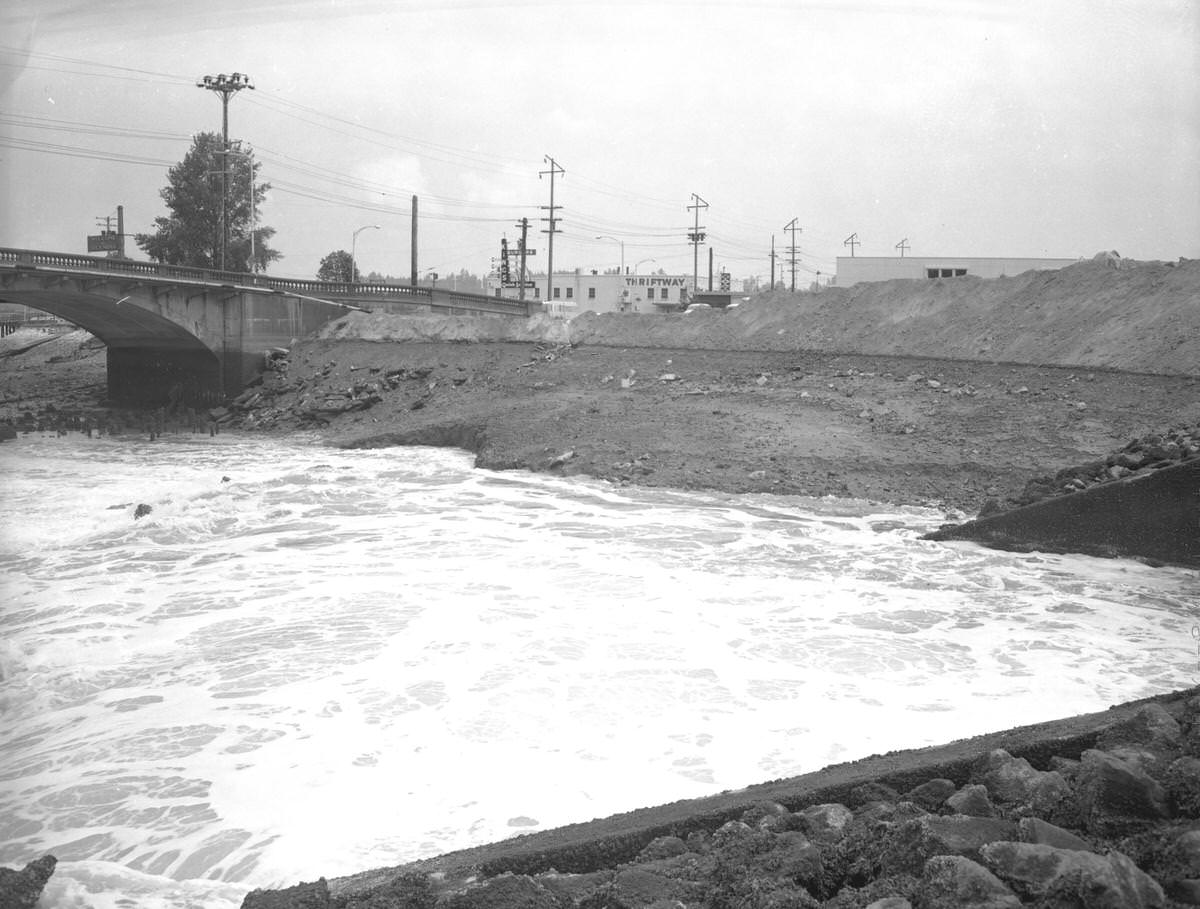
x=578 y=291
x=856 y=269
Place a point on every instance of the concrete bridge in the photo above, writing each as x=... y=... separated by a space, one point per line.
x=197 y=335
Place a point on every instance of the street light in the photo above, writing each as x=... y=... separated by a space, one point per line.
x=635 y=267
x=353 y=241
x=622 y=242
x=225 y=86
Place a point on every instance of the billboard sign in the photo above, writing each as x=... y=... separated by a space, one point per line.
x=107 y=241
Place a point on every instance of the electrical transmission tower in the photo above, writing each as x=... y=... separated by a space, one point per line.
x=791 y=225
x=554 y=169
x=696 y=237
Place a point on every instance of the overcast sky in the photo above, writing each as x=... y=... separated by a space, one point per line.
x=994 y=128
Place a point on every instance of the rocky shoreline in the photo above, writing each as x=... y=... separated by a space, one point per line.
x=1107 y=817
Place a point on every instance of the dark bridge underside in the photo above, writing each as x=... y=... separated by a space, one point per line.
x=152 y=361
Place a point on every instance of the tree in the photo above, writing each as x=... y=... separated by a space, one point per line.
x=191 y=233
x=336 y=267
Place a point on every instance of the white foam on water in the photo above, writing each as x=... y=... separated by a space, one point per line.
x=310 y=662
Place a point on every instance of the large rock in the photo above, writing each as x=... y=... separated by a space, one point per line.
x=954 y=882
x=1190 y=725
x=1065 y=877
x=508 y=891
x=931 y=794
x=1014 y=781
x=662 y=847
x=1182 y=783
x=1152 y=727
x=911 y=844
x=636 y=886
x=1035 y=830
x=22 y=889
x=1116 y=797
x=971 y=800
x=826 y=823
x=1181 y=860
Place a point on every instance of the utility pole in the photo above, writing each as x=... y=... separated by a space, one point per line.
x=524 y=225
x=414 y=242
x=851 y=241
x=772 y=261
x=104 y=222
x=249 y=156
x=554 y=169
x=696 y=238
x=791 y=225
x=902 y=245
x=710 y=264
x=225 y=86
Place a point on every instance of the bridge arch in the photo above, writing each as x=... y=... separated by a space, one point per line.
x=199 y=331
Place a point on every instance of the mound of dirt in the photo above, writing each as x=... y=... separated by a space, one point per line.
x=378 y=326
x=1141 y=317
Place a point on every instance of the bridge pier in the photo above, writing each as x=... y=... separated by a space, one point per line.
x=160 y=377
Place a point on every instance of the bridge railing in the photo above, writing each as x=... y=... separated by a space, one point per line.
x=358 y=291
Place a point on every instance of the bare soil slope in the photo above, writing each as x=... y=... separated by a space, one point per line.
x=1101 y=313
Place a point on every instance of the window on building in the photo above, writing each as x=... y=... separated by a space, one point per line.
x=649 y=293
x=682 y=294
x=570 y=292
x=537 y=293
x=591 y=293
x=945 y=272
x=497 y=291
x=557 y=293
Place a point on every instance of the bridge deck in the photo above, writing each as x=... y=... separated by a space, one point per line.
x=363 y=295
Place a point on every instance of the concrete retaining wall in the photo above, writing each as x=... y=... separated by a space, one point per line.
x=1154 y=517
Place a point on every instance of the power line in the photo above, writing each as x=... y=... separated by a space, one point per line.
x=648 y=235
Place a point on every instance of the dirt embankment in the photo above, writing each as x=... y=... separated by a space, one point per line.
x=1104 y=313
x=911 y=392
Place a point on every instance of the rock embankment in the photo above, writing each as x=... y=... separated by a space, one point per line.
x=1139 y=457
x=1115 y=825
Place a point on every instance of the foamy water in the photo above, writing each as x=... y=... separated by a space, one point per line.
x=311 y=662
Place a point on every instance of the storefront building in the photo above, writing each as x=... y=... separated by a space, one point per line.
x=857 y=269
x=579 y=291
